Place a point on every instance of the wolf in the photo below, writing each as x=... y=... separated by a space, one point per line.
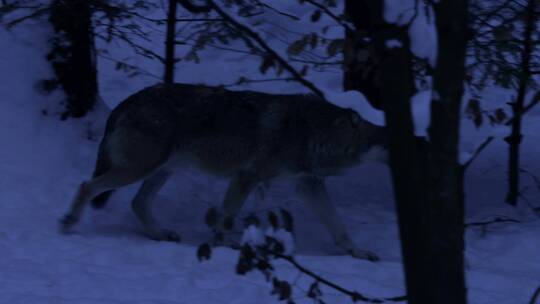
x=246 y=136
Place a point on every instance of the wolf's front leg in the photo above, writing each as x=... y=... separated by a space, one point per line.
x=239 y=189
x=313 y=191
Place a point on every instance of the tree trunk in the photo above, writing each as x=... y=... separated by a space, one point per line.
x=361 y=70
x=514 y=140
x=427 y=178
x=407 y=157
x=446 y=197
x=170 y=44
x=73 y=54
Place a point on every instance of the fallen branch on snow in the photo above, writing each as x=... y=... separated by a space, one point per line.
x=493 y=221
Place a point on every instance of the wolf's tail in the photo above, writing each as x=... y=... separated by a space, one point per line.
x=102 y=165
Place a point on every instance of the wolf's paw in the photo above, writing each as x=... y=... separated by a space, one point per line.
x=165 y=235
x=66 y=222
x=363 y=255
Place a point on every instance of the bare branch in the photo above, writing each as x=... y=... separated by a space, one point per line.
x=133 y=67
x=535 y=296
x=533 y=177
x=255 y=36
x=534 y=102
x=244 y=80
x=198 y=19
x=487 y=141
x=328 y=12
x=35 y=14
x=355 y=296
x=493 y=221
x=477 y=152
x=279 y=12
x=193 y=8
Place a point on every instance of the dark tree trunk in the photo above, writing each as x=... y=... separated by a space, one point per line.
x=73 y=54
x=514 y=140
x=407 y=156
x=446 y=197
x=362 y=63
x=170 y=44
x=427 y=177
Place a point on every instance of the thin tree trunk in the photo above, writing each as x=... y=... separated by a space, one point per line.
x=407 y=157
x=445 y=190
x=514 y=140
x=361 y=70
x=73 y=54
x=170 y=59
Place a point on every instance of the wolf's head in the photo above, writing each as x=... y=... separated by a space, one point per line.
x=340 y=138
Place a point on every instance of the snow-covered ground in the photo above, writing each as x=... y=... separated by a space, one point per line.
x=107 y=260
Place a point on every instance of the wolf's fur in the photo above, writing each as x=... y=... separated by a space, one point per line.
x=247 y=136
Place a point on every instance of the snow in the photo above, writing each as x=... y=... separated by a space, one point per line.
x=393 y=43
x=422 y=31
x=107 y=260
x=356 y=101
x=252 y=236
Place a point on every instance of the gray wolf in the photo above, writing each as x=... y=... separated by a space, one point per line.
x=249 y=137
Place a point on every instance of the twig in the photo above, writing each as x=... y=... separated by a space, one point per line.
x=487 y=141
x=328 y=12
x=136 y=68
x=196 y=9
x=534 y=102
x=534 y=177
x=255 y=36
x=493 y=221
x=356 y=296
x=246 y=81
x=535 y=296
x=477 y=152
x=279 y=12
x=37 y=13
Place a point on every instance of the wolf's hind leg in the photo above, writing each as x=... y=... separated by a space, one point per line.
x=142 y=205
x=110 y=180
x=313 y=191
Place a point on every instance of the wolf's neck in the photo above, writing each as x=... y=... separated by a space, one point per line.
x=378 y=136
